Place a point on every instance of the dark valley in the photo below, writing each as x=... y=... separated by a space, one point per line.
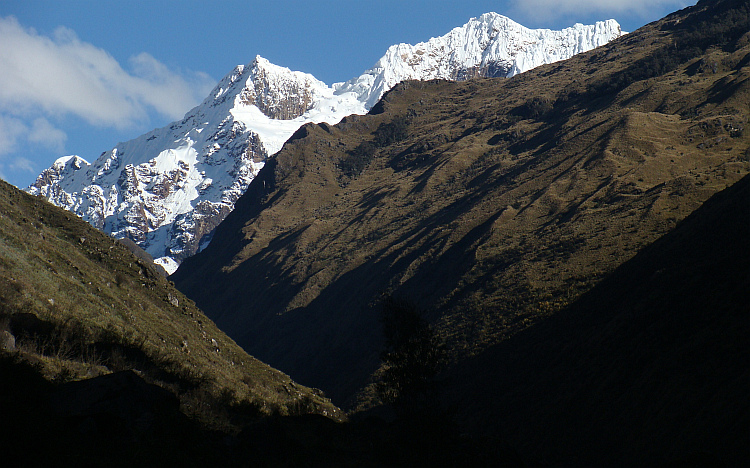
x=550 y=269
x=496 y=206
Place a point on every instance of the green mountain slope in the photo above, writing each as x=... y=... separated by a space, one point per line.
x=491 y=203
x=90 y=331
x=650 y=367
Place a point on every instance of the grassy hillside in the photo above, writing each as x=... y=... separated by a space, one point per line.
x=492 y=203
x=89 y=329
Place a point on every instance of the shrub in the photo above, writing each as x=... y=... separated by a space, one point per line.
x=356 y=160
x=392 y=132
x=388 y=133
x=535 y=108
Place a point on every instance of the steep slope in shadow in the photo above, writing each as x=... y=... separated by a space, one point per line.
x=650 y=367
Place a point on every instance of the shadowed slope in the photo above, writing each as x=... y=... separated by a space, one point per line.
x=491 y=203
x=649 y=367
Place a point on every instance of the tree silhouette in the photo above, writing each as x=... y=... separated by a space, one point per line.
x=412 y=359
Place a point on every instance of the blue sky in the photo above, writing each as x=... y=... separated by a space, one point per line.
x=77 y=77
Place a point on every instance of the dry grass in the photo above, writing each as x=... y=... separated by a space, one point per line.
x=81 y=305
x=503 y=201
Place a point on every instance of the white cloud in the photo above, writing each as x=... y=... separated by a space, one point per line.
x=15 y=164
x=46 y=80
x=15 y=133
x=553 y=8
x=60 y=75
x=164 y=88
x=11 y=130
x=21 y=164
x=47 y=135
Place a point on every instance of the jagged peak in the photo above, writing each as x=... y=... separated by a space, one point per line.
x=60 y=169
x=495 y=20
x=72 y=160
x=220 y=91
x=260 y=62
x=490 y=45
x=493 y=16
x=262 y=67
x=279 y=92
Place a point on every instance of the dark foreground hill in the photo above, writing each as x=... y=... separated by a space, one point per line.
x=648 y=368
x=104 y=362
x=491 y=203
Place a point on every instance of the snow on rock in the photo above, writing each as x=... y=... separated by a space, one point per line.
x=168 y=189
x=489 y=46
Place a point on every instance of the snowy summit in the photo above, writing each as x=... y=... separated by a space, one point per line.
x=489 y=46
x=168 y=189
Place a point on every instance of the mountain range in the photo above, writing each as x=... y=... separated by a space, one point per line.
x=573 y=236
x=549 y=269
x=168 y=189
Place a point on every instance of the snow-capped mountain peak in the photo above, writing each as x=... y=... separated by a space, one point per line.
x=278 y=92
x=169 y=188
x=491 y=45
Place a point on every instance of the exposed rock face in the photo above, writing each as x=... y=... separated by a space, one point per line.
x=150 y=201
x=7 y=341
x=168 y=189
x=282 y=98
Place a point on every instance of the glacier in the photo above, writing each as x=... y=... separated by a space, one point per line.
x=168 y=189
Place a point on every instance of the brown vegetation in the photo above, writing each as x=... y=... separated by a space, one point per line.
x=76 y=304
x=496 y=203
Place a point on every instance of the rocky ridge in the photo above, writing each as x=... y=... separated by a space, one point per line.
x=492 y=45
x=169 y=188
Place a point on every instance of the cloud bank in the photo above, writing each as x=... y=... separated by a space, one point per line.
x=48 y=79
x=554 y=8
